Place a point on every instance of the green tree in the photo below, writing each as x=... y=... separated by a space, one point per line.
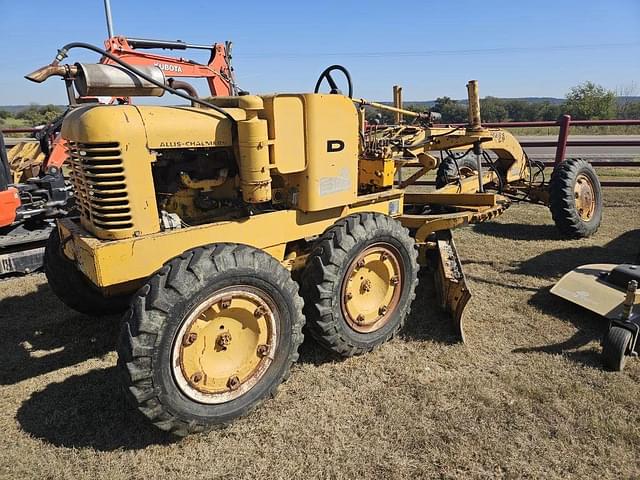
x=451 y=111
x=493 y=109
x=631 y=111
x=589 y=101
x=549 y=111
x=36 y=115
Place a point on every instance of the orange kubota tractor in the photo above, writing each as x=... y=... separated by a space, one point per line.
x=27 y=209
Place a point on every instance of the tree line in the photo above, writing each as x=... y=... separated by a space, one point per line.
x=587 y=101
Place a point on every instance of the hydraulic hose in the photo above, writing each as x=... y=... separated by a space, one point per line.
x=64 y=52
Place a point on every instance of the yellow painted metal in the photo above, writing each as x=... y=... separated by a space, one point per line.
x=331 y=137
x=185 y=127
x=223 y=341
x=372 y=287
x=110 y=168
x=381 y=106
x=397 y=103
x=585 y=198
x=285 y=116
x=255 y=176
x=474 y=105
x=102 y=262
x=25 y=159
x=378 y=172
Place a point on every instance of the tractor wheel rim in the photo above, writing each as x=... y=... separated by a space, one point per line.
x=226 y=345
x=371 y=288
x=585 y=198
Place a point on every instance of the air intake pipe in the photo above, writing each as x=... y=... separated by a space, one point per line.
x=253 y=140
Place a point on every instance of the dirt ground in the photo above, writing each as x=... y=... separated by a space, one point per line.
x=525 y=397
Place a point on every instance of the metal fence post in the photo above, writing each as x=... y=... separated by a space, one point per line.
x=561 y=149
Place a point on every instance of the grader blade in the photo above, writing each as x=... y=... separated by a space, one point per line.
x=451 y=285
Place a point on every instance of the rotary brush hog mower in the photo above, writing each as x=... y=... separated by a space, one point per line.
x=612 y=292
x=194 y=219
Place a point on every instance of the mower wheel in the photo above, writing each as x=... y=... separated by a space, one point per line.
x=614 y=348
x=575 y=198
x=359 y=283
x=451 y=169
x=73 y=288
x=209 y=336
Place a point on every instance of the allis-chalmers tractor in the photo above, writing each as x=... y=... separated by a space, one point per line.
x=194 y=221
x=28 y=203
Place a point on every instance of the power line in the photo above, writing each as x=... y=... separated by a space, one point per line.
x=434 y=53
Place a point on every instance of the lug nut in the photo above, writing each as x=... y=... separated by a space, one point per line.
x=262 y=350
x=382 y=310
x=197 y=377
x=223 y=340
x=360 y=319
x=233 y=383
x=348 y=296
x=384 y=256
x=394 y=281
x=260 y=311
x=189 y=339
x=360 y=263
x=225 y=303
x=366 y=285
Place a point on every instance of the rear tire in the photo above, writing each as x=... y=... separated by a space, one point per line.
x=362 y=250
x=209 y=336
x=575 y=198
x=614 y=348
x=72 y=287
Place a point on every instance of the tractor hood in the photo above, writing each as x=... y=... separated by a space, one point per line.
x=164 y=127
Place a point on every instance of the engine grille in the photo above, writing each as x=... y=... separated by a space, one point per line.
x=100 y=184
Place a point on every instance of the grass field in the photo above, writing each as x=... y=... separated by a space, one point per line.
x=525 y=397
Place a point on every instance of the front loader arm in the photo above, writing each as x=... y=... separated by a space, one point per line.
x=217 y=72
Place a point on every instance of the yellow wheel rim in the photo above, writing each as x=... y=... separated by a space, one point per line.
x=225 y=345
x=371 y=288
x=585 y=198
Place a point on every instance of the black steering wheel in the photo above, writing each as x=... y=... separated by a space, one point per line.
x=326 y=74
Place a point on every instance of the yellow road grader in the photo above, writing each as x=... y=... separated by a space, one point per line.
x=194 y=221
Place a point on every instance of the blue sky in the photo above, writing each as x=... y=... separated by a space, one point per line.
x=431 y=48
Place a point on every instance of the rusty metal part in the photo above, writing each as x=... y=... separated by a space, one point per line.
x=474 y=105
x=233 y=383
x=451 y=285
x=41 y=74
x=224 y=339
x=585 y=197
x=372 y=287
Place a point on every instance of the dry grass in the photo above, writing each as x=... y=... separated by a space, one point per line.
x=525 y=397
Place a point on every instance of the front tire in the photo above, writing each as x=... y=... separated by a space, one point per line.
x=211 y=335
x=359 y=283
x=614 y=348
x=575 y=198
x=73 y=288
x=452 y=169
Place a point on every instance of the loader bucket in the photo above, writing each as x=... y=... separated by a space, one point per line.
x=25 y=159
